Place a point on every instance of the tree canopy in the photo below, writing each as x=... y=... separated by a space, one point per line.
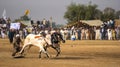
x=76 y=12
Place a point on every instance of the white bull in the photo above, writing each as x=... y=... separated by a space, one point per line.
x=36 y=40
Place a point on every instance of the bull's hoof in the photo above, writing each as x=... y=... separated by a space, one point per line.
x=39 y=57
x=56 y=55
x=13 y=54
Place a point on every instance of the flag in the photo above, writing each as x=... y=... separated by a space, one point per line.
x=27 y=12
x=4 y=15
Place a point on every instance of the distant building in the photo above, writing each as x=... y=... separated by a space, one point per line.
x=117 y=22
x=92 y=22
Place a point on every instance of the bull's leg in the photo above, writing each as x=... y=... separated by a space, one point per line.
x=22 y=50
x=14 y=52
x=45 y=47
x=57 y=50
x=40 y=54
x=47 y=55
x=43 y=50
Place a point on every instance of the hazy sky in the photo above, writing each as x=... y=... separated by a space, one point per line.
x=40 y=9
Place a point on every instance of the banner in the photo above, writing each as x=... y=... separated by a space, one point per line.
x=15 y=25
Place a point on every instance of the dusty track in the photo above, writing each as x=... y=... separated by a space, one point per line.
x=84 y=53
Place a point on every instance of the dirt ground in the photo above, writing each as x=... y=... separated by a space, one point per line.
x=82 y=53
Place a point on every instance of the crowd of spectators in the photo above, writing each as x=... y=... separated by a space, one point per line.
x=107 y=31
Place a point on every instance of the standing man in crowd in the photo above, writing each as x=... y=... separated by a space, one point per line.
x=11 y=34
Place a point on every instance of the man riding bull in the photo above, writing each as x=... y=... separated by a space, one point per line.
x=56 y=37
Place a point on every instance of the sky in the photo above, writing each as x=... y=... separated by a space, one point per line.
x=40 y=9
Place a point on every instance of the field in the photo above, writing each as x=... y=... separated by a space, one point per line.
x=82 y=53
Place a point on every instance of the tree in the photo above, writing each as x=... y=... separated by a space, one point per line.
x=71 y=13
x=81 y=12
x=76 y=12
x=108 y=13
x=90 y=12
x=117 y=15
x=98 y=14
